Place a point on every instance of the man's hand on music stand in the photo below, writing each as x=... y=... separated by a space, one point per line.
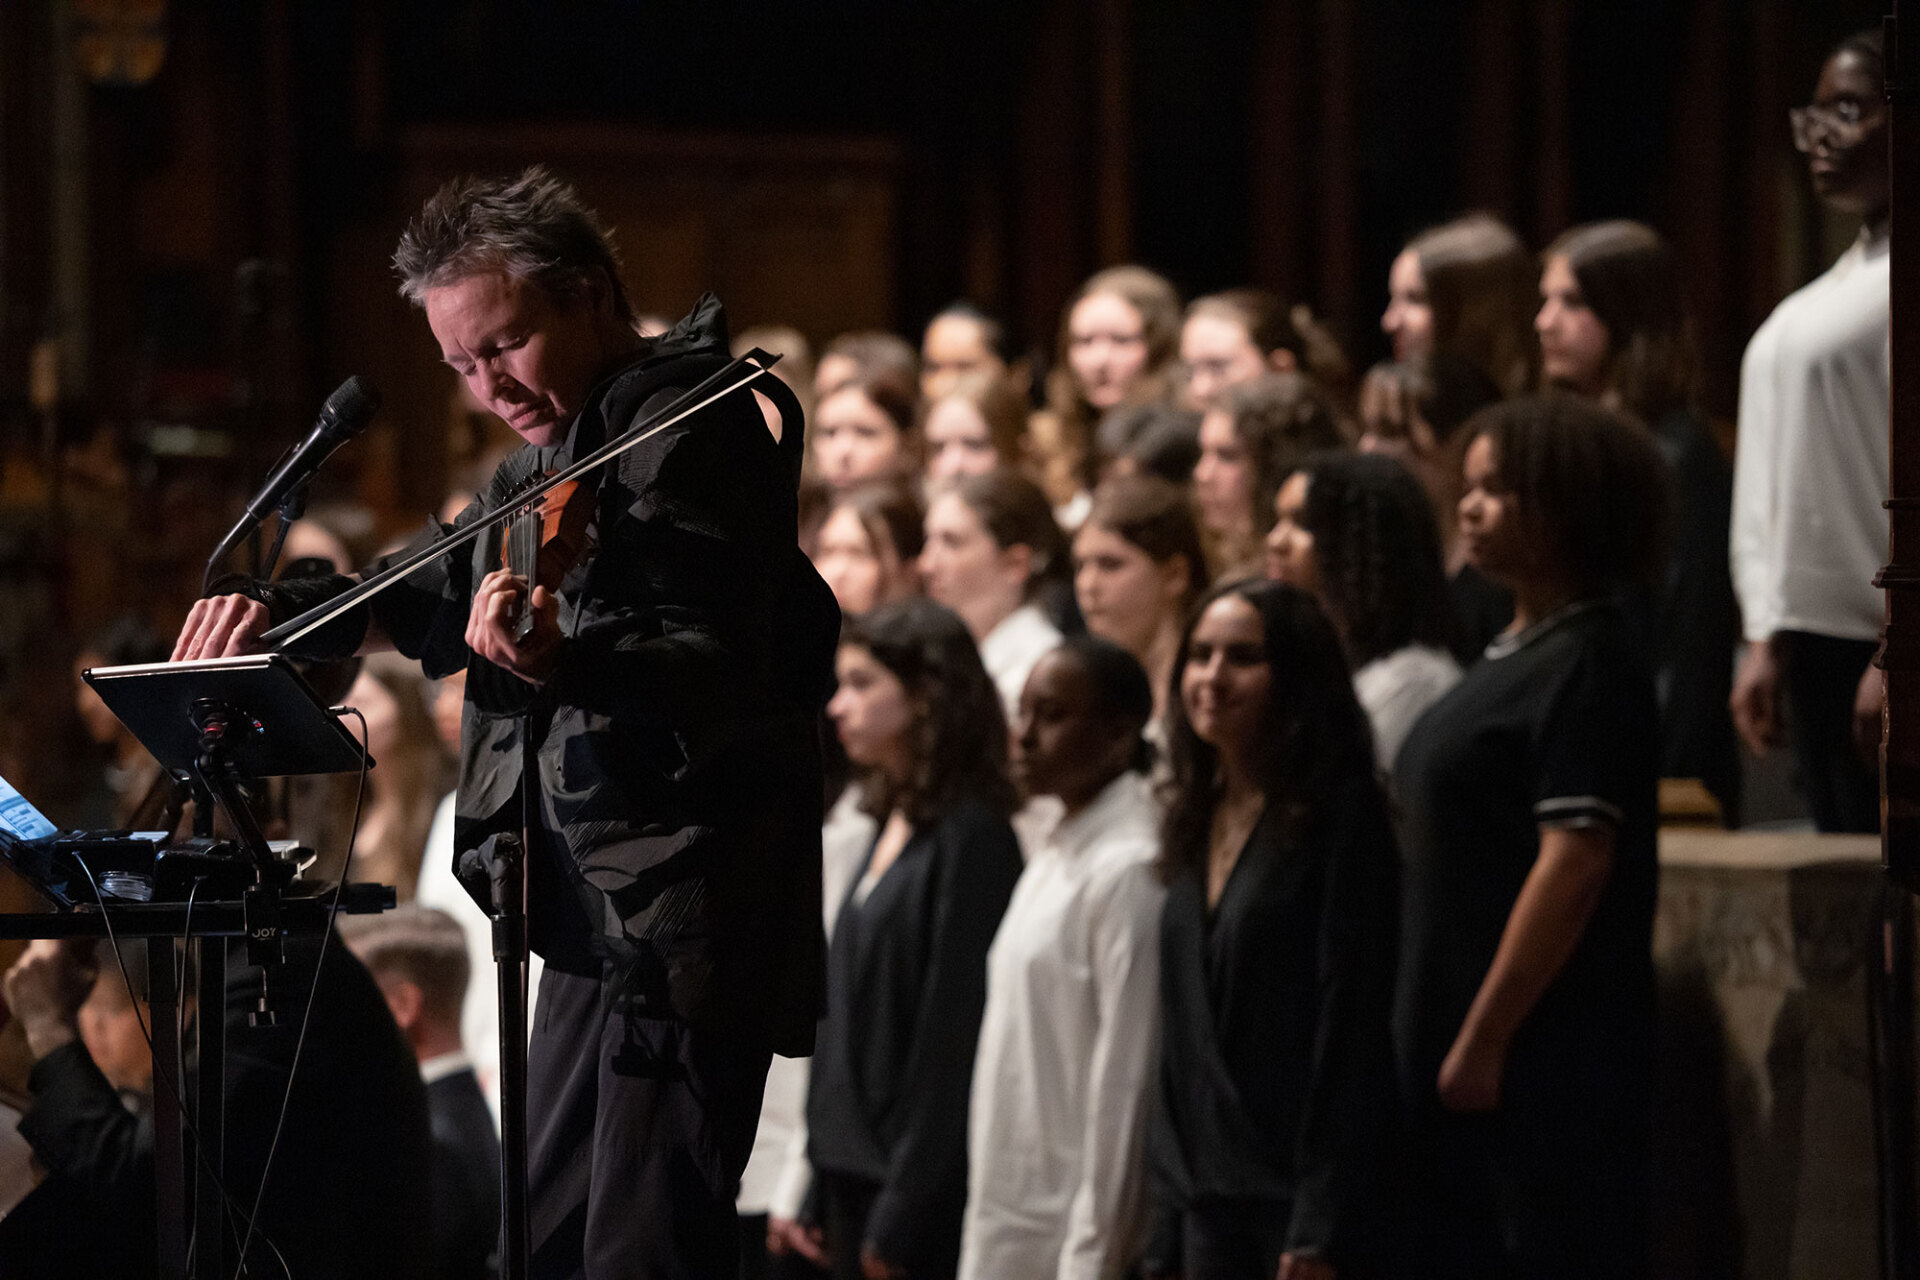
x=222 y=627
x=45 y=989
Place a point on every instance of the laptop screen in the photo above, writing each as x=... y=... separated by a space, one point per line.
x=20 y=817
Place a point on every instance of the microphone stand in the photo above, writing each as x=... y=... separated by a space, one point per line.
x=507 y=871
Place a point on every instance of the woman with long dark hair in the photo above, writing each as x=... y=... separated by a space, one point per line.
x=1276 y=952
x=1613 y=327
x=1465 y=288
x=1357 y=531
x=906 y=973
x=1523 y=1014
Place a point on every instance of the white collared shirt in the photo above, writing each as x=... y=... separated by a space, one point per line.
x=442 y=1065
x=1811 y=467
x=1010 y=651
x=1067 y=1049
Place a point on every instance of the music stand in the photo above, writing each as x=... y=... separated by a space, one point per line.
x=219 y=723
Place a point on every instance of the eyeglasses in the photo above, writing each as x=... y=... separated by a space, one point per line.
x=1844 y=123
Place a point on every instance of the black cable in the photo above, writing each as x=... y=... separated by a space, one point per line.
x=175 y=1068
x=333 y=911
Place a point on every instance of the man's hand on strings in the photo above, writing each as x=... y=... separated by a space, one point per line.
x=490 y=627
x=222 y=627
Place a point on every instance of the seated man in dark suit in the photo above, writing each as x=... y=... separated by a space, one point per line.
x=348 y=1185
x=418 y=956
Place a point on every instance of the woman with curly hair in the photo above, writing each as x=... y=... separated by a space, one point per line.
x=1357 y=531
x=1276 y=954
x=1249 y=443
x=1524 y=1010
x=907 y=969
x=1119 y=339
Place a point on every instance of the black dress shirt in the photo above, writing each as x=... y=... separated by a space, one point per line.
x=907 y=983
x=1276 y=1081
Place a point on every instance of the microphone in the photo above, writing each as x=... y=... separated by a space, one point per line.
x=344 y=416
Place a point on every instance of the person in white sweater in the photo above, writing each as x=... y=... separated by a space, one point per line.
x=1358 y=532
x=1811 y=469
x=1068 y=1040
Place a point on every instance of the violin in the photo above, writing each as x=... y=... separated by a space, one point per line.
x=545 y=537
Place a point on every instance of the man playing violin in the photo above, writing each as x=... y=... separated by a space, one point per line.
x=664 y=701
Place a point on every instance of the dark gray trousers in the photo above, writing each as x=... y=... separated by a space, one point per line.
x=638 y=1129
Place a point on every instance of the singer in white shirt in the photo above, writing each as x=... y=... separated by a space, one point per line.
x=1068 y=1040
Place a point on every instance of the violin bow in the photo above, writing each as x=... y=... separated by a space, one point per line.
x=760 y=364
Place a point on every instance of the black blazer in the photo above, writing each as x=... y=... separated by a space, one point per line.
x=1276 y=1063
x=466 y=1179
x=906 y=986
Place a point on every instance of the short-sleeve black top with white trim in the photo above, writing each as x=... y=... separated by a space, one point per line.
x=1556 y=726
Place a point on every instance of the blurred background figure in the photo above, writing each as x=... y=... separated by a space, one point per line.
x=1613 y=327
x=412 y=771
x=863 y=430
x=418 y=957
x=1234 y=337
x=866 y=354
x=1266 y=1147
x=963 y=341
x=120 y=785
x=906 y=972
x=1119 y=341
x=1149 y=439
x=1357 y=532
x=1466 y=288
x=1412 y=410
x=1811 y=470
x=1137 y=569
x=978 y=424
x=868 y=548
x=1524 y=1008
x=1249 y=443
x=991 y=548
x=1067 y=1040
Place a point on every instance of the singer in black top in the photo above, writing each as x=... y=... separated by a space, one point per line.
x=667 y=698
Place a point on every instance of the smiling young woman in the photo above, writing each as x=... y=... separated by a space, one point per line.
x=1276 y=977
